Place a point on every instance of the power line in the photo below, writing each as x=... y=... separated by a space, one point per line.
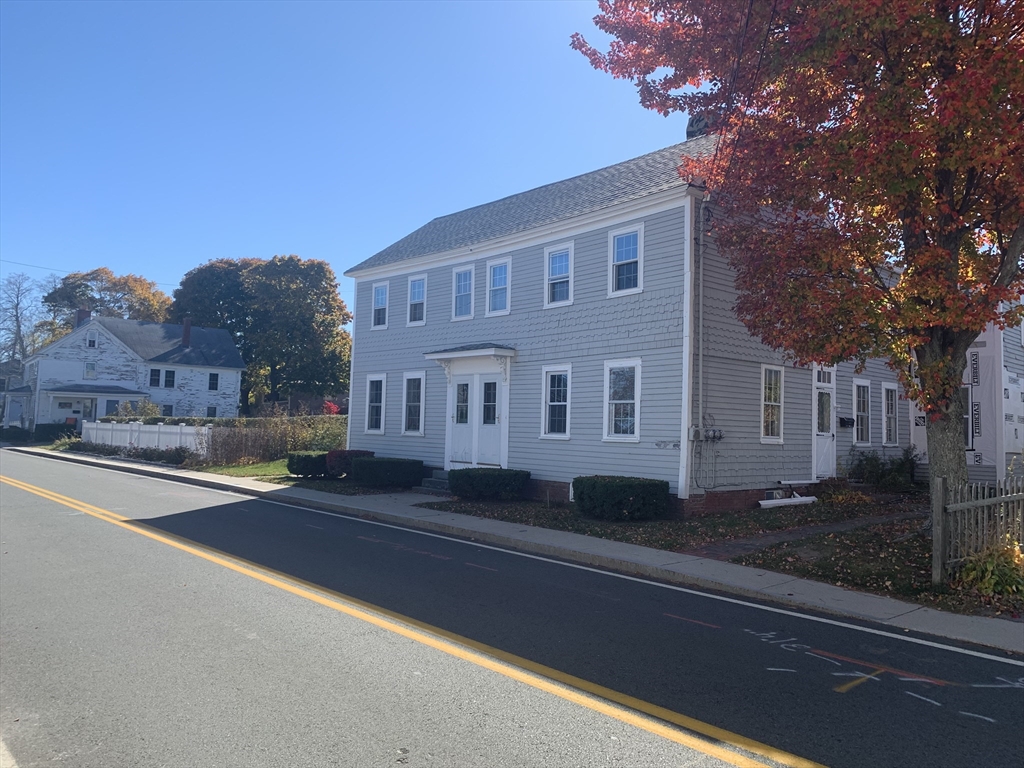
x=63 y=271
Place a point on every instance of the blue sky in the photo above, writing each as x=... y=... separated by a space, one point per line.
x=151 y=137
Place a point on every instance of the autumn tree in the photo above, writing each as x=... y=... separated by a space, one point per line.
x=102 y=292
x=285 y=315
x=869 y=165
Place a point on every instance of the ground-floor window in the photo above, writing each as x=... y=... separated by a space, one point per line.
x=167 y=410
x=621 y=397
x=555 y=416
x=375 y=402
x=862 y=412
x=412 y=405
x=111 y=408
x=890 y=419
x=211 y=411
x=771 y=404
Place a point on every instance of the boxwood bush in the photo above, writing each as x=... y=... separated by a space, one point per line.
x=308 y=463
x=340 y=462
x=488 y=483
x=47 y=433
x=620 y=498
x=387 y=473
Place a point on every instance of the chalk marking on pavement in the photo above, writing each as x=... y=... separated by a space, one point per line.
x=692 y=621
x=482 y=567
x=892 y=670
x=923 y=698
x=854 y=683
x=823 y=658
x=779 y=669
x=319 y=528
x=576 y=690
x=980 y=717
x=507 y=551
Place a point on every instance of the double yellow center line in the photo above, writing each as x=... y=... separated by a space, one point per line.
x=626 y=709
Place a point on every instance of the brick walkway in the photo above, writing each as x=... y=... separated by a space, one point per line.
x=730 y=548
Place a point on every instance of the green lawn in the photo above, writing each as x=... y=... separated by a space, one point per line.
x=265 y=469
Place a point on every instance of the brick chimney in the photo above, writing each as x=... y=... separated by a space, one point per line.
x=186 y=332
x=82 y=316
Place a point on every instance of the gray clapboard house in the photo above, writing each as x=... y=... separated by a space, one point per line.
x=587 y=327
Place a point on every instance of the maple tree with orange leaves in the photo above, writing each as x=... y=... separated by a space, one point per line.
x=869 y=169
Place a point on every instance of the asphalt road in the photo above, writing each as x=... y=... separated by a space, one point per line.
x=122 y=650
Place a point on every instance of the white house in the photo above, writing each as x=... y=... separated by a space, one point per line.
x=104 y=361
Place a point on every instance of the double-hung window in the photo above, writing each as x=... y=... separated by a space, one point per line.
x=168 y=379
x=412 y=403
x=91 y=339
x=380 y=305
x=376 y=386
x=890 y=423
x=90 y=370
x=498 y=298
x=622 y=400
x=417 y=300
x=154 y=377
x=462 y=293
x=558 y=277
x=211 y=411
x=771 y=404
x=167 y=410
x=626 y=266
x=214 y=382
x=555 y=402
x=862 y=412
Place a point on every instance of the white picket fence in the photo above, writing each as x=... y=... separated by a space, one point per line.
x=139 y=435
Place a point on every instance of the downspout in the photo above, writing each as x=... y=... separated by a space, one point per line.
x=700 y=309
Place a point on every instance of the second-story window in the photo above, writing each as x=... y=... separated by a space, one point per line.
x=627 y=260
x=380 y=305
x=462 y=300
x=91 y=339
x=154 y=377
x=417 y=300
x=168 y=379
x=498 y=287
x=90 y=370
x=558 y=278
x=214 y=383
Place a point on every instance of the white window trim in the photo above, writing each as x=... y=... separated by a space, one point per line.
x=862 y=383
x=472 y=291
x=635 y=437
x=382 y=377
x=507 y=261
x=896 y=414
x=422 y=376
x=772 y=440
x=374 y=307
x=94 y=337
x=547 y=277
x=85 y=373
x=544 y=391
x=639 y=229
x=408 y=301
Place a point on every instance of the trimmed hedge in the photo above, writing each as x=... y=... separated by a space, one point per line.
x=47 y=433
x=339 y=462
x=79 y=446
x=14 y=434
x=488 y=483
x=620 y=498
x=176 y=456
x=308 y=463
x=387 y=473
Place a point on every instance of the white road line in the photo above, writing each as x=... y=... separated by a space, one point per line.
x=980 y=717
x=779 y=669
x=922 y=698
x=674 y=587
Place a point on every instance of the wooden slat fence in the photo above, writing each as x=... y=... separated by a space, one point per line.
x=971 y=518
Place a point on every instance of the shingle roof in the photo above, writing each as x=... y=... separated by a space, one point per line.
x=161 y=343
x=90 y=389
x=562 y=200
x=471 y=348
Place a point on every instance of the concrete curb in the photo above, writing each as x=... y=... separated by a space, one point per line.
x=629 y=559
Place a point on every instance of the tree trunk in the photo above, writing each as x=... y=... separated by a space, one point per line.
x=946 y=452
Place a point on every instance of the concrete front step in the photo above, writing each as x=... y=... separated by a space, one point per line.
x=440 y=474
x=436 y=483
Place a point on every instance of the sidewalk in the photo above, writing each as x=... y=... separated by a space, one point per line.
x=672 y=567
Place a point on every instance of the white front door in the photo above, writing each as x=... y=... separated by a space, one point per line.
x=478 y=415
x=489 y=440
x=463 y=423
x=824 y=424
